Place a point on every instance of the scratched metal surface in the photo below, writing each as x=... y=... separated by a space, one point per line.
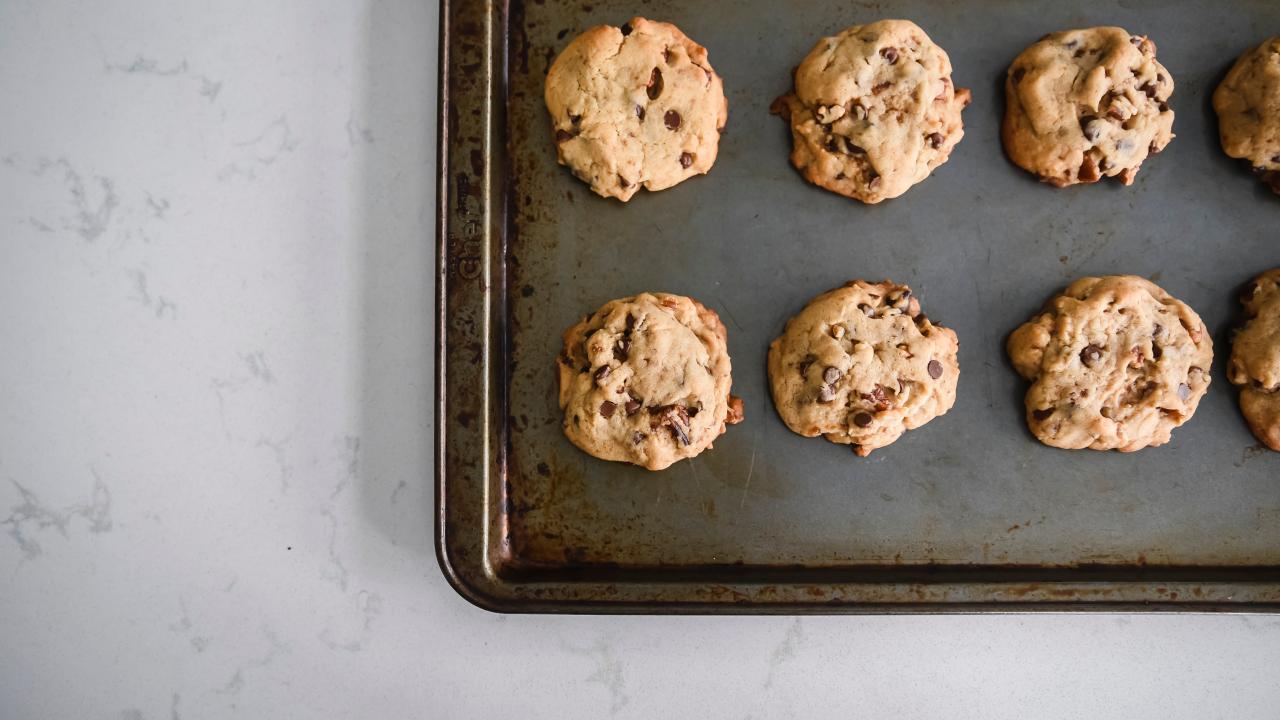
x=981 y=243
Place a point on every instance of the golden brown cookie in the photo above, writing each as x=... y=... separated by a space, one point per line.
x=861 y=365
x=646 y=380
x=1248 y=106
x=873 y=111
x=1115 y=363
x=635 y=106
x=1082 y=105
x=1255 y=358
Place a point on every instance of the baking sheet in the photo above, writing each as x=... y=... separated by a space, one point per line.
x=969 y=512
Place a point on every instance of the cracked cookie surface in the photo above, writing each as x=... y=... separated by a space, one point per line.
x=861 y=365
x=635 y=106
x=646 y=380
x=1115 y=363
x=873 y=110
x=1255 y=358
x=1248 y=107
x=1086 y=104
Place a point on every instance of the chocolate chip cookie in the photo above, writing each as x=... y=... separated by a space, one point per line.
x=1115 y=364
x=1248 y=106
x=861 y=365
x=1255 y=358
x=635 y=106
x=1082 y=105
x=873 y=111
x=645 y=380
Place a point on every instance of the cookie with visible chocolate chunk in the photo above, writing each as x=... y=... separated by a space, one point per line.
x=1086 y=104
x=1248 y=107
x=861 y=365
x=646 y=380
x=635 y=106
x=1255 y=358
x=1115 y=363
x=873 y=110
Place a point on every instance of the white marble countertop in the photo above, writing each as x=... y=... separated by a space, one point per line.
x=215 y=425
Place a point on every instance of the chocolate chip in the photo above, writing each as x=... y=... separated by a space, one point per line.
x=1248 y=291
x=575 y=119
x=675 y=418
x=640 y=112
x=1164 y=107
x=693 y=411
x=1042 y=415
x=805 y=363
x=935 y=369
x=862 y=419
x=563 y=135
x=621 y=349
x=603 y=372
x=827 y=393
x=606 y=409
x=638 y=437
x=1137 y=41
x=1078 y=53
x=935 y=140
x=631 y=407
x=1156 y=352
x=654 y=88
x=626 y=29
x=890 y=54
x=1184 y=391
x=1150 y=89
x=1115 y=112
x=853 y=149
x=685 y=160
x=1091 y=128
x=830 y=375
x=672 y=120
x=1090 y=355
x=681 y=434
x=1018 y=75
x=867 y=310
x=874 y=183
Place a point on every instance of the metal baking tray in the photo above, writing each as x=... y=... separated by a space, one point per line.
x=969 y=513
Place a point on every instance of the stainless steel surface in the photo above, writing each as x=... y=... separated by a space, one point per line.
x=968 y=512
